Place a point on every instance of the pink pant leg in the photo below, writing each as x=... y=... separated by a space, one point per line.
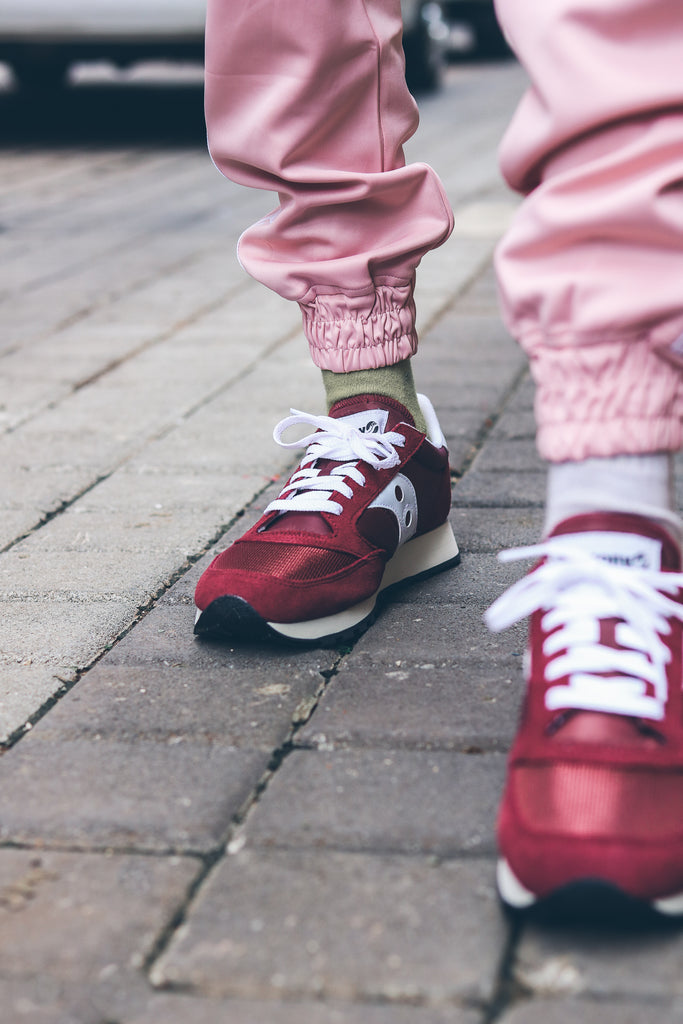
x=591 y=272
x=309 y=100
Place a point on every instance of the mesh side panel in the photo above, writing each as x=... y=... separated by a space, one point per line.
x=284 y=561
x=597 y=800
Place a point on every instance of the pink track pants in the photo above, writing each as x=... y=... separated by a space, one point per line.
x=309 y=100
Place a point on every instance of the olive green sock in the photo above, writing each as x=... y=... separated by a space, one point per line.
x=396 y=381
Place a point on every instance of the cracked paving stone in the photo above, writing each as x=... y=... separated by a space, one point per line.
x=282 y=925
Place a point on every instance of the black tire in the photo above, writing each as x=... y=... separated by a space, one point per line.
x=490 y=41
x=41 y=76
x=424 y=62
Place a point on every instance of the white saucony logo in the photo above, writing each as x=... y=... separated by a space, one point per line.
x=637 y=561
x=400 y=498
x=628 y=549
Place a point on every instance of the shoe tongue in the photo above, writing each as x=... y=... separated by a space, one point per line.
x=371 y=414
x=622 y=539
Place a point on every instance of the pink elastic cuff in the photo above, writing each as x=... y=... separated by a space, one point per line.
x=361 y=332
x=605 y=399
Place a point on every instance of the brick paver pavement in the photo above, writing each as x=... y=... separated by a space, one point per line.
x=198 y=834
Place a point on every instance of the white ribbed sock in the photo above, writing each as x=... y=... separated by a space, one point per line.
x=642 y=484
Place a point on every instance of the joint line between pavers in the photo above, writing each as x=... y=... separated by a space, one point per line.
x=114 y=364
x=483 y=745
x=506 y=990
x=160 y=434
x=490 y=422
x=234 y=839
x=142 y=612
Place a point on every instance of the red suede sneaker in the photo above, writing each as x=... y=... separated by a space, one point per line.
x=594 y=795
x=367 y=508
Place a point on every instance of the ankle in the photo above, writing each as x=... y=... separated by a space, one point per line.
x=395 y=381
x=639 y=484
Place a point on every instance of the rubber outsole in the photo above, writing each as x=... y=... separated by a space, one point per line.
x=232 y=618
x=587 y=901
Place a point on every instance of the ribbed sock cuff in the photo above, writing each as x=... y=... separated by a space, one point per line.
x=395 y=381
x=642 y=484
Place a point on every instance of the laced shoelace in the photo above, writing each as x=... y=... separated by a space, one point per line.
x=577 y=590
x=309 y=490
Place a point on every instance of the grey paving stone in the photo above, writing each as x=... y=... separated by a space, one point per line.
x=165 y=636
x=168 y=703
x=183 y=589
x=462 y=429
x=16 y=523
x=468 y=704
x=509 y=457
x=280 y=924
x=110 y=996
x=494 y=529
x=442 y=635
x=522 y=398
x=23 y=689
x=179 y=1009
x=460 y=342
x=504 y=490
x=68 y=917
x=481 y=298
x=624 y=964
x=385 y=801
x=474 y=583
x=570 y=1011
x=106 y=793
x=470 y=374
x=63 y=634
x=515 y=424
x=43 y=1001
x=30 y=575
x=485 y=397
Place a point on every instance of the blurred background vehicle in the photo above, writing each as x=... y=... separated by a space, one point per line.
x=478 y=18
x=42 y=39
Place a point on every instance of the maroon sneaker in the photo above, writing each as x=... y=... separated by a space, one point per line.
x=594 y=795
x=366 y=509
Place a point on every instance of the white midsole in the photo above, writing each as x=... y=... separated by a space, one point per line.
x=672 y=906
x=511 y=889
x=421 y=554
x=518 y=896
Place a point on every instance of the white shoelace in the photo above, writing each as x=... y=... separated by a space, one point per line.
x=310 y=491
x=577 y=590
